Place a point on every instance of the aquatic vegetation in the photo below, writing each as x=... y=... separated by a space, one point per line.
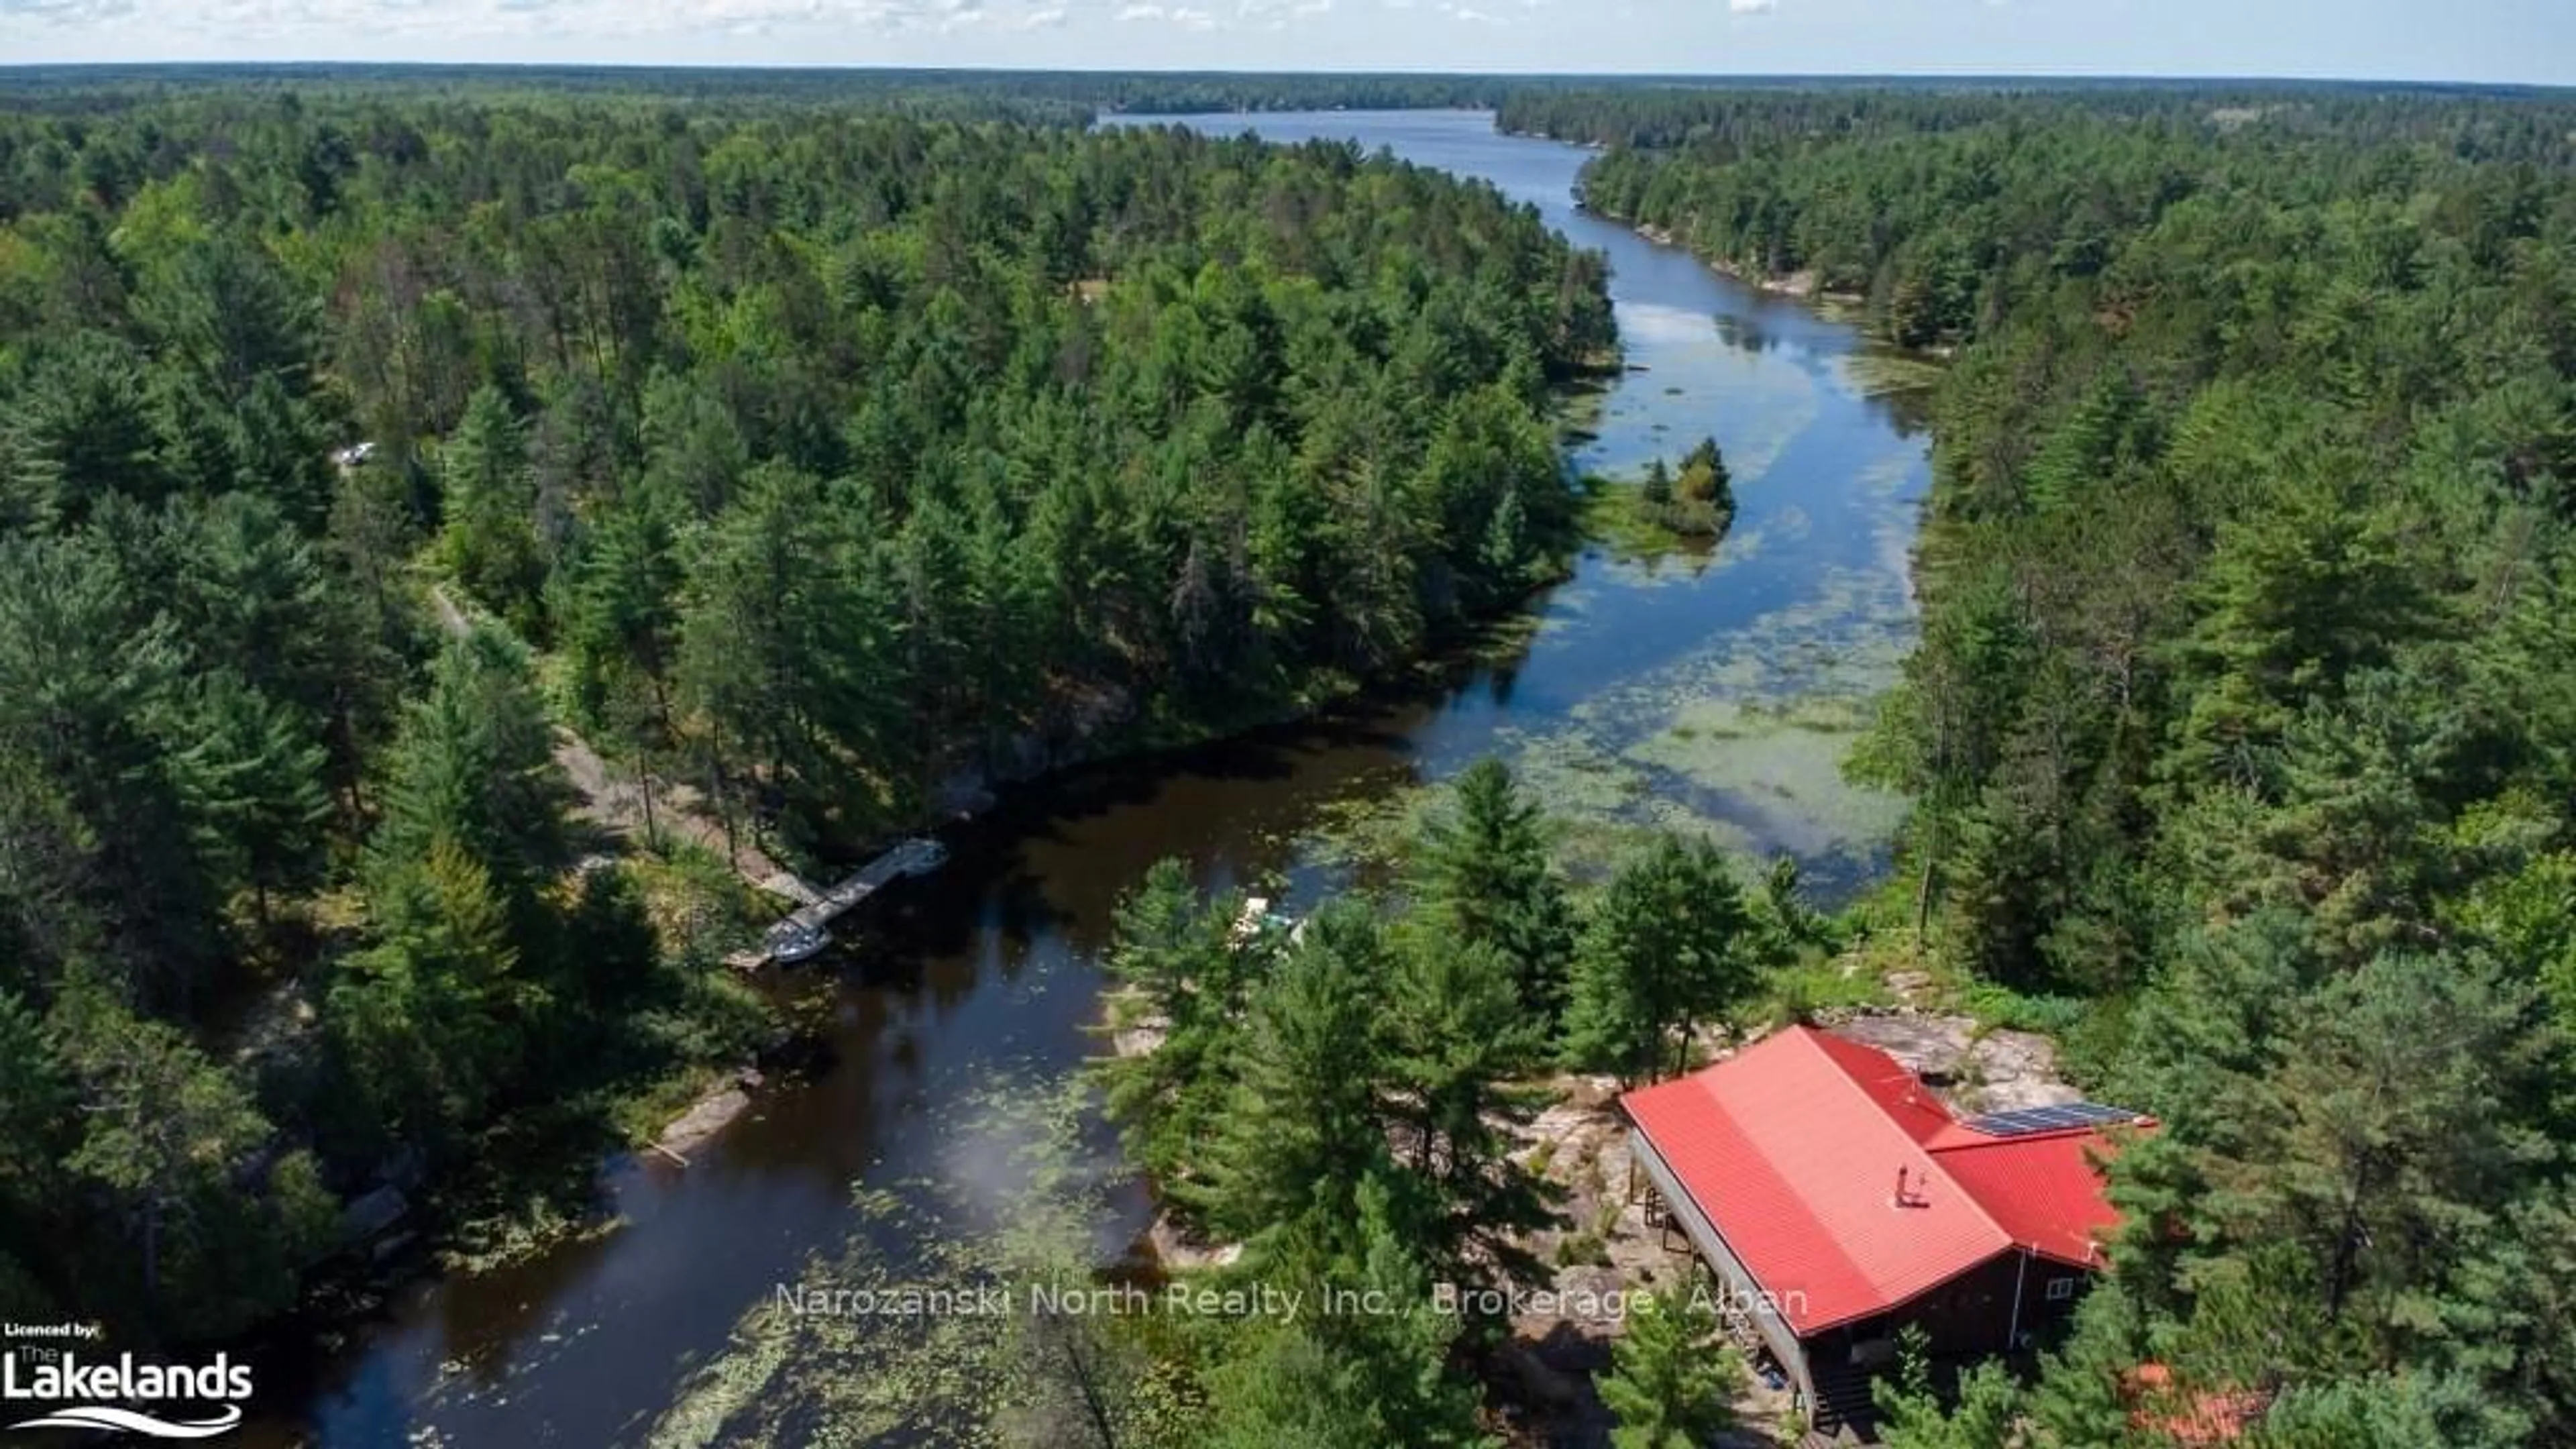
x=1714 y=748
x=915 y=1325
x=1879 y=372
x=1783 y=767
x=1744 y=739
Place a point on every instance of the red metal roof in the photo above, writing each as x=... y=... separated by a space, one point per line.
x=2045 y=1191
x=1793 y=1147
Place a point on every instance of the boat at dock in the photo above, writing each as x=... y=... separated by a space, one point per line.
x=791 y=941
x=805 y=934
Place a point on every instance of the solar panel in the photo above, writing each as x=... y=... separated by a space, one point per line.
x=2027 y=1121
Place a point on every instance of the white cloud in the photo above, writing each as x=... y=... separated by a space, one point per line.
x=66 y=13
x=1752 y=7
x=292 y=26
x=1188 y=17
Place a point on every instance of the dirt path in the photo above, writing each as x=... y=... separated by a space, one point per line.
x=615 y=802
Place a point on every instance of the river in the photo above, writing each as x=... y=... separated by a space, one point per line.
x=1714 y=693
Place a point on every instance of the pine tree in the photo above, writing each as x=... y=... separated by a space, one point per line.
x=2088 y=1394
x=88 y=697
x=2411 y=1102
x=622 y=635
x=474 y=767
x=2085 y=454
x=2383 y=1411
x=199 y=443
x=1793 y=923
x=1302 y=1127
x=788 y=658
x=249 y=594
x=1185 y=976
x=1668 y=947
x=1673 y=1380
x=1404 y=1352
x=433 y=1019
x=1285 y=1388
x=280 y=453
x=1282 y=532
x=1457 y=1034
x=1379 y=1377
x=373 y=531
x=2510 y=1316
x=83 y=421
x=31 y=1107
x=1702 y=499
x=1986 y=1416
x=1940 y=731
x=232 y=313
x=1485 y=450
x=1504 y=557
x=51 y=906
x=1704 y=478
x=1657 y=490
x=252 y=780
x=487 y=536
x=610 y=947
x=2295 y=599
x=1486 y=875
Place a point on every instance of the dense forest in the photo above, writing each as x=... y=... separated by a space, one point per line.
x=811 y=451
x=1751 y=118
x=353 y=445
x=2239 y=736
x=1066 y=98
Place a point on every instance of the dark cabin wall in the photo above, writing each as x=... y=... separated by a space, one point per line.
x=1969 y=1314
x=1973 y=1313
x=2042 y=1317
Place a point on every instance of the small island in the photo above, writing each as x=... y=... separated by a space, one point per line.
x=1670 y=507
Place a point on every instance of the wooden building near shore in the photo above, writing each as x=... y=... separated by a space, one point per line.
x=1837 y=1199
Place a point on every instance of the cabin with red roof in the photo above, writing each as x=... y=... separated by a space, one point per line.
x=1838 y=1199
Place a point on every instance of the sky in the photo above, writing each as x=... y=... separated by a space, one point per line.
x=2529 y=41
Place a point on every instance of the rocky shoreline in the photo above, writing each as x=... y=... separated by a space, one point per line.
x=1804 y=285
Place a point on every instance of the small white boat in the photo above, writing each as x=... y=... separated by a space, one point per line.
x=791 y=941
x=1248 y=923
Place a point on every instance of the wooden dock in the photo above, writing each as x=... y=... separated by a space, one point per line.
x=805 y=930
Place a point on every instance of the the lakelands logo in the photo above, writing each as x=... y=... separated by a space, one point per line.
x=122 y=1394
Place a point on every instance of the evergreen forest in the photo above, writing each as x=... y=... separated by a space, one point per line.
x=808 y=460
x=394 y=466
